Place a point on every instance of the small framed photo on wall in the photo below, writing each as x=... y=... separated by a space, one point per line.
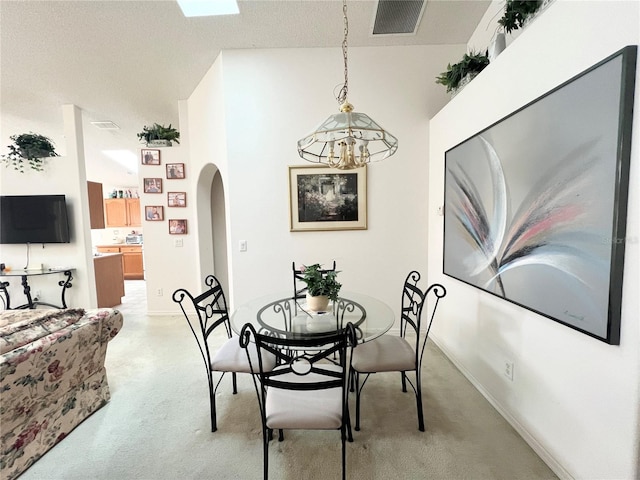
x=177 y=199
x=175 y=170
x=177 y=227
x=152 y=185
x=154 y=213
x=150 y=157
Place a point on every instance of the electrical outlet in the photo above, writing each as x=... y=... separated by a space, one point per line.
x=177 y=242
x=159 y=292
x=243 y=245
x=37 y=295
x=508 y=369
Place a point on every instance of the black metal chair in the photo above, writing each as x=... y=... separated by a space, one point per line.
x=210 y=308
x=307 y=391
x=392 y=353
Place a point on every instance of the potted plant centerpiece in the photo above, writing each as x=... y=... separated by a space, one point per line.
x=461 y=73
x=158 y=135
x=29 y=149
x=322 y=286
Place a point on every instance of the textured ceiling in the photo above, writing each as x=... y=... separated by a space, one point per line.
x=131 y=61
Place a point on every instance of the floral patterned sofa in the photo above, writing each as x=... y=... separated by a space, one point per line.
x=52 y=377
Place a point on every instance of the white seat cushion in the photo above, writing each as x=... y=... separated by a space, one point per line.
x=231 y=357
x=298 y=409
x=387 y=353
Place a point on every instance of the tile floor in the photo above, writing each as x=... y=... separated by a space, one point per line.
x=134 y=301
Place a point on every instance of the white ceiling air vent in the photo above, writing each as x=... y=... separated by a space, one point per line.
x=397 y=17
x=105 y=125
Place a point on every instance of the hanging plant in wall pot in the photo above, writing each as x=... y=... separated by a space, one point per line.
x=29 y=150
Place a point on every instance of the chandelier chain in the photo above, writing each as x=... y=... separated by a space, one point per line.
x=342 y=95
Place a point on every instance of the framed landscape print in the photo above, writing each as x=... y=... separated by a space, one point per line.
x=177 y=199
x=536 y=204
x=150 y=156
x=323 y=198
x=175 y=170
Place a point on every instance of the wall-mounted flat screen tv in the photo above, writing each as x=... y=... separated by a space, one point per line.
x=33 y=219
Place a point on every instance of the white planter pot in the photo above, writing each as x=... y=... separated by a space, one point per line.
x=317 y=304
x=159 y=143
x=498 y=44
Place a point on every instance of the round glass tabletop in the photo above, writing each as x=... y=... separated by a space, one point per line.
x=281 y=315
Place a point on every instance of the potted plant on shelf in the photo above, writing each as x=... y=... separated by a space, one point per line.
x=29 y=149
x=322 y=286
x=516 y=12
x=158 y=135
x=461 y=73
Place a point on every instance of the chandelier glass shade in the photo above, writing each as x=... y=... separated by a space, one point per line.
x=347 y=139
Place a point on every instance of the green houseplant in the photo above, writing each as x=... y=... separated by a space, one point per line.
x=516 y=13
x=321 y=283
x=471 y=64
x=29 y=149
x=159 y=135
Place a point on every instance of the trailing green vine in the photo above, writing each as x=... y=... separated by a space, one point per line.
x=28 y=150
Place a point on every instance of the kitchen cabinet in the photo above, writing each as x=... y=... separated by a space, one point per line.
x=96 y=205
x=132 y=261
x=122 y=212
x=109 y=279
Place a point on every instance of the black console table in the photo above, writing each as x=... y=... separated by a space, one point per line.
x=25 y=274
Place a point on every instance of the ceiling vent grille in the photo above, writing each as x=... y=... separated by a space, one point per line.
x=395 y=17
x=105 y=125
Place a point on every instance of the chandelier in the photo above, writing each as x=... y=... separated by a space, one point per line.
x=347 y=139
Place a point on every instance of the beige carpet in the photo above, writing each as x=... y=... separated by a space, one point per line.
x=157 y=423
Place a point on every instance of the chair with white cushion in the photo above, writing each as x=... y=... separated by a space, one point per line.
x=404 y=353
x=205 y=313
x=308 y=390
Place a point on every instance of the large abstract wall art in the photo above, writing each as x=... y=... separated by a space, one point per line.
x=536 y=204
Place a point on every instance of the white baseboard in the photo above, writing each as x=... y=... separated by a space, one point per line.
x=546 y=457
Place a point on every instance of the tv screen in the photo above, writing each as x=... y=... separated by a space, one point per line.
x=33 y=219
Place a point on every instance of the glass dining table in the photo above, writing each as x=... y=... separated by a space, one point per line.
x=287 y=317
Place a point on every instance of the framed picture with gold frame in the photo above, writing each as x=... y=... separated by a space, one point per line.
x=323 y=198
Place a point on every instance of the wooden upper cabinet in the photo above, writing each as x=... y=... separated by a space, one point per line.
x=96 y=207
x=133 y=210
x=122 y=212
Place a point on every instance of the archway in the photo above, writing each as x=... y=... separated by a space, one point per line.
x=212 y=227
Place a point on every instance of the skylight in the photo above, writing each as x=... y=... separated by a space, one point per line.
x=203 y=8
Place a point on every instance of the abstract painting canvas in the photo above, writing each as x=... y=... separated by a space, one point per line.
x=535 y=204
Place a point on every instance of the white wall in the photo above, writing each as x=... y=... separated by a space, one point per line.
x=62 y=175
x=575 y=399
x=274 y=97
x=169 y=260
